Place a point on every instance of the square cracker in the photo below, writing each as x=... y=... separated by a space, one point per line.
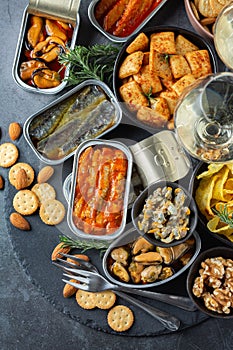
x=148 y=80
x=171 y=97
x=183 y=45
x=131 y=64
x=199 y=62
x=182 y=83
x=140 y=43
x=157 y=115
x=163 y=42
x=179 y=66
x=159 y=65
x=132 y=94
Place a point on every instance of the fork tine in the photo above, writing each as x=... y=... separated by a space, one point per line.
x=76 y=270
x=69 y=263
x=83 y=262
x=76 y=285
x=77 y=278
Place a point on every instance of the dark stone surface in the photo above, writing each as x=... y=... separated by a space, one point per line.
x=28 y=320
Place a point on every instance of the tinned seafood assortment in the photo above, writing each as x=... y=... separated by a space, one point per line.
x=45 y=40
x=141 y=262
x=153 y=73
x=165 y=214
x=86 y=114
x=99 y=192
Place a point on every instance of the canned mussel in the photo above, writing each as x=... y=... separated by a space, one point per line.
x=85 y=112
x=99 y=193
x=42 y=39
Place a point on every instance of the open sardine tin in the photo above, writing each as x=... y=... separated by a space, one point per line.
x=88 y=111
x=103 y=146
x=138 y=27
x=63 y=11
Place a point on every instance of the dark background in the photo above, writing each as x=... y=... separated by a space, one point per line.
x=28 y=320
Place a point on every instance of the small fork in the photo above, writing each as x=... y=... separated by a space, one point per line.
x=175 y=300
x=94 y=282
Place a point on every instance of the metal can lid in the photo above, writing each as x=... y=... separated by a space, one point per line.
x=59 y=10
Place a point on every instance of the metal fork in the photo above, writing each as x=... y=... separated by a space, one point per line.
x=175 y=300
x=94 y=282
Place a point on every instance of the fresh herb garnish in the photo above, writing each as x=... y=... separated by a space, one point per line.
x=84 y=245
x=148 y=94
x=224 y=215
x=91 y=62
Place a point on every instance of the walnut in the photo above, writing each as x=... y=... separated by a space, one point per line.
x=229 y=272
x=213 y=267
x=198 y=287
x=211 y=303
x=213 y=282
x=229 y=284
x=224 y=298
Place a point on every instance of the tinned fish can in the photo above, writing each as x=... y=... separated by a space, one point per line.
x=99 y=191
x=119 y=20
x=47 y=30
x=89 y=110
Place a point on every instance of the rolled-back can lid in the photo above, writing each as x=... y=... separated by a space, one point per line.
x=58 y=10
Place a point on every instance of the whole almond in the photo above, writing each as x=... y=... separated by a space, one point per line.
x=19 y=222
x=45 y=174
x=1 y=182
x=14 y=131
x=21 y=180
x=60 y=248
x=69 y=290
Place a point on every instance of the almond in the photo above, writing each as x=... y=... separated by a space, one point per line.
x=69 y=290
x=1 y=182
x=21 y=179
x=45 y=174
x=14 y=131
x=60 y=248
x=19 y=222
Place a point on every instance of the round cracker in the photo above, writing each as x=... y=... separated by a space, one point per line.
x=120 y=318
x=52 y=212
x=8 y=154
x=18 y=166
x=195 y=11
x=105 y=299
x=25 y=202
x=86 y=299
x=205 y=9
x=44 y=192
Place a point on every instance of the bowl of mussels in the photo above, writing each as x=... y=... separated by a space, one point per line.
x=132 y=261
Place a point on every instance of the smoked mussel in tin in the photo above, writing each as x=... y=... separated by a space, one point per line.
x=88 y=111
x=36 y=66
x=100 y=189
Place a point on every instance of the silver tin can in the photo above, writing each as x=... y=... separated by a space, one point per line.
x=19 y=56
x=70 y=217
x=114 y=38
x=56 y=104
x=160 y=157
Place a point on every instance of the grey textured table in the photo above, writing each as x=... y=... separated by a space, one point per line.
x=27 y=319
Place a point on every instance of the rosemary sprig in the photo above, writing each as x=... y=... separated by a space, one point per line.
x=84 y=245
x=225 y=216
x=148 y=94
x=91 y=62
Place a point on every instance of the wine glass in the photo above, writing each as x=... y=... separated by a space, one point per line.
x=204 y=118
x=223 y=35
